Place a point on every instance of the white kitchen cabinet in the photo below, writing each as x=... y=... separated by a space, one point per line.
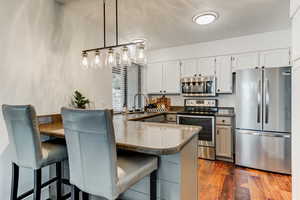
x=188 y=68
x=163 y=78
x=295 y=36
x=295 y=4
x=224 y=141
x=154 y=78
x=224 y=74
x=206 y=66
x=171 y=79
x=275 y=58
x=245 y=61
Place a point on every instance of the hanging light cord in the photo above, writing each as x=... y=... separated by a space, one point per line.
x=117 y=24
x=104 y=22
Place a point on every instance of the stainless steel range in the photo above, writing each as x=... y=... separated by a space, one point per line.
x=201 y=113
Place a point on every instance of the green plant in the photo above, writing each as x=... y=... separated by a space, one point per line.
x=79 y=100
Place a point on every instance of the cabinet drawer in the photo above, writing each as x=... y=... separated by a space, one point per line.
x=224 y=120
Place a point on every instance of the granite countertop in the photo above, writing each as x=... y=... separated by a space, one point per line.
x=143 y=137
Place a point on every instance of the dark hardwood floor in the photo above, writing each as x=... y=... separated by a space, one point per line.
x=223 y=181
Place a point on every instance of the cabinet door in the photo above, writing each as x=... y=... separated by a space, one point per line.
x=154 y=78
x=224 y=74
x=295 y=36
x=295 y=4
x=206 y=66
x=171 y=79
x=275 y=58
x=245 y=61
x=224 y=141
x=188 y=68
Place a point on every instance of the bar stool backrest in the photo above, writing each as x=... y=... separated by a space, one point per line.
x=24 y=135
x=92 y=153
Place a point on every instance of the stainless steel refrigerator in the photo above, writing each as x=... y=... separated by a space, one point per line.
x=263 y=119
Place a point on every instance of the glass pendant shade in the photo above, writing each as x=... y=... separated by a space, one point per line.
x=97 y=60
x=111 y=60
x=140 y=54
x=85 y=61
x=125 y=56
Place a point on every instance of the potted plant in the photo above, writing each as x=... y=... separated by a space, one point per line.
x=79 y=101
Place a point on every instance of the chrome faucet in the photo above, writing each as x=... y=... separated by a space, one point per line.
x=134 y=104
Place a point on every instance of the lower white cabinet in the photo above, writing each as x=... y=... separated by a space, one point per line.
x=224 y=141
x=224 y=74
x=163 y=78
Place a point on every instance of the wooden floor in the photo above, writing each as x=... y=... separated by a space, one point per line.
x=223 y=181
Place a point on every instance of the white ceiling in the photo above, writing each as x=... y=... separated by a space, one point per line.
x=166 y=23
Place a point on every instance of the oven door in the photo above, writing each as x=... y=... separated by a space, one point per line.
x=206 y=136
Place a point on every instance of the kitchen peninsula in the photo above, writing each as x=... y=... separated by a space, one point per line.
x=175 y=145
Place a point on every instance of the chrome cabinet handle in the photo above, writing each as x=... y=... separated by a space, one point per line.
x=258 y=101
x=267 y=101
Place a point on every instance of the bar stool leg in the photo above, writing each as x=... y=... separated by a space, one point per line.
x=14 y=182
x=37 y=184
x=75 y=193
x=58 y=182
x=153 y=185
x=85 y=196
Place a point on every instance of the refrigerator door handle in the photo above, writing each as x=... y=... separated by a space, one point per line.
x=267 y=101
x=258 y=101
x=280 y=135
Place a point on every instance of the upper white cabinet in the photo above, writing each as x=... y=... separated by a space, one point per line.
x=295 y=4
x=245 y=61
x=188 y=67
x=171 y=80
x=224 y=74
x=198 y=67
x=206 y=66
x=154 y=78
x=295 y=36
x=275 y=58
x=163 y=78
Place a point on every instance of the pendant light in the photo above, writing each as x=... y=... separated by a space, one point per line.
x=113 y=57
x=85 y=61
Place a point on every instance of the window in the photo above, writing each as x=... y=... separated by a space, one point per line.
x=124 y=86
x=117 y=92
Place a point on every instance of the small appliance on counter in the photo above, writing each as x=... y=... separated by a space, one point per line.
x=201 y=113
x=198 y=86
x=160 y=104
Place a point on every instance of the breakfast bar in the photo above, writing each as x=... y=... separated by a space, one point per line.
x=175 y=145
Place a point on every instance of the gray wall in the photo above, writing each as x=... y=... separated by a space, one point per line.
x=41 y=43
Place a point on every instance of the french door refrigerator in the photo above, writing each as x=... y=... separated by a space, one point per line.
x=263 y=119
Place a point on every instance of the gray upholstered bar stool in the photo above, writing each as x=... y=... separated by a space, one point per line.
x=29 y=152
x=95 y=167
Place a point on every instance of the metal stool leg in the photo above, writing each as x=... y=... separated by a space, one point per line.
x=59 y=181
x=85 y=196
x=153 y=185
x=37 y=184
x=75 y=193
x=14 y=182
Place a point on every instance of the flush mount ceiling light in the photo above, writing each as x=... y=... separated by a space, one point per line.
x=205 y=18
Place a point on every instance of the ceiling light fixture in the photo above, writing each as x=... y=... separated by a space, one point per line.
x=113 y=57
x=205 y=18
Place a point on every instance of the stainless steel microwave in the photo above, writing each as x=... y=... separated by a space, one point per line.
x=198 y=86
